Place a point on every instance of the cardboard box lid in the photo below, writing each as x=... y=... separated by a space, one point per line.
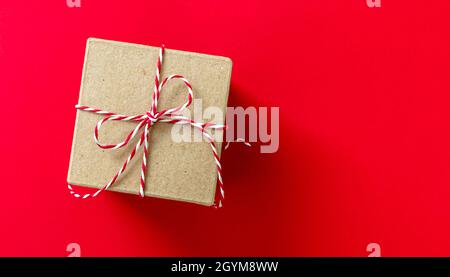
x=119 y=77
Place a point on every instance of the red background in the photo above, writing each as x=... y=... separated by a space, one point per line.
x=364 y=132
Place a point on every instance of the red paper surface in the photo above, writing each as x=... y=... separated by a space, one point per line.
x=364 y=129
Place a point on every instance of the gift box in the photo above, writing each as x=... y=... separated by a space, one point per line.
x=117 y=93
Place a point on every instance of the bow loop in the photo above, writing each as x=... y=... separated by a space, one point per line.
x=171 y=111
x=127 y=139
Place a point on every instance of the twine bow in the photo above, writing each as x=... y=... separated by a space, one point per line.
x=145 y=121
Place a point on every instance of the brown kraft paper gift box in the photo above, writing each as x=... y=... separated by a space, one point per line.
x=119 y=77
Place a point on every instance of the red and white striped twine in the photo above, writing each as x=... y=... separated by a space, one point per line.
x=145 y=121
